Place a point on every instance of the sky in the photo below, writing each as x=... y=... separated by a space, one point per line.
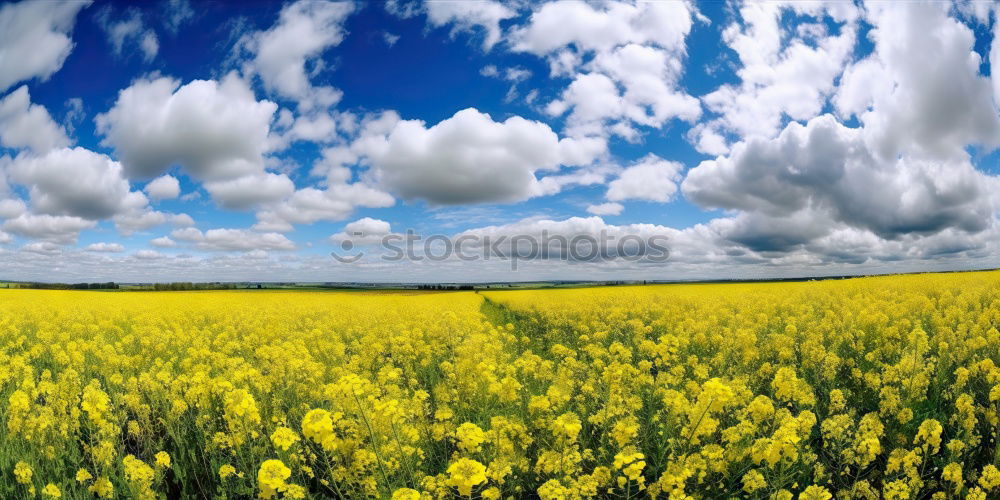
x=268 y=141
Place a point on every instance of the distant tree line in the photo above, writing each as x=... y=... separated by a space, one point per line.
x=176 y=287
x=66 y=286
x=446 y=287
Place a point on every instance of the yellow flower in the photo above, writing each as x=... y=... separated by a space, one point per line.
x=163 y=460
x=102 y=487
x=51 y=491
x=466 y=474
x=929 y=435
x=753 y=481
x=284 y=438
x=553 y=490
x=815 y=493
x=405 y=494
x=567 y=425
x=294 y=491
x=953 y=474
x=83 y=476
x=22 y=473
x=989 y=478
x=271 y=477
x=470 y=437
x=225 y=471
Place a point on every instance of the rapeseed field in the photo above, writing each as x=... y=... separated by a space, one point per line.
x=884 y=387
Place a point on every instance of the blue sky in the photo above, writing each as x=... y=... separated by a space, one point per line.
x=246 y=141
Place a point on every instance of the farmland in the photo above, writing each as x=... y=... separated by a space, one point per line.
x=862 y=388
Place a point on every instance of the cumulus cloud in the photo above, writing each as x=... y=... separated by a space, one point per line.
x=825 y=168
x=363 y=231
x=282 y=55
x=216 y=131
x=213 y=130
x=142 y=220
x=232 y=239
x=146 y=254
x=609 y=208
x=919 y=93
x=468 y=158
x=34 y=39
x=251 y=190
x=899 y=186
x=11 y=208
x=482 y=16
x=56 y=229
x=76 y=182
x=787 y=69
x=163 y=242
x=27 y=125
x=651 y=178
x=309 y=205
x=105 y=247
x=43 y=248
x=625 y=60
x=166 y=187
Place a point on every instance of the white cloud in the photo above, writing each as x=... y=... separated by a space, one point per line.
x=43 y=247
x=363 y=231
x=651 y=178
x=163 y=242
x=34 y=38
x=58 y=229
x=27 y=125
x=633 y=84
x=105 y=247
x=141 y=220
x=309 y=205
x=468 y=158
x=128 y=31
x=555 y=26
x=788 y=70
x=609 y=208
x=826 y=170
x=11 y=208
x=625 y=61
x=165 y=187
x=917 y=93
x=148 y=255
x=76 y=182
x=5 y=238
x=305 y=29
x=214 y=130
x=232 y=240
x=470 y=16
x=251 y=190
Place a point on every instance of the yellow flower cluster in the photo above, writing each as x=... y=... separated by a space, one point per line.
x=868 y=388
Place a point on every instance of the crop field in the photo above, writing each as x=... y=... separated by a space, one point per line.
x=882 y=387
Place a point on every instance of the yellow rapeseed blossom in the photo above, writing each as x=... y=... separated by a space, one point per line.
x=271 y=478
x=882 y=387
x=51 y=491
x=22 y=473
x=284 y=438
x=406 y=494
x=466 y=474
